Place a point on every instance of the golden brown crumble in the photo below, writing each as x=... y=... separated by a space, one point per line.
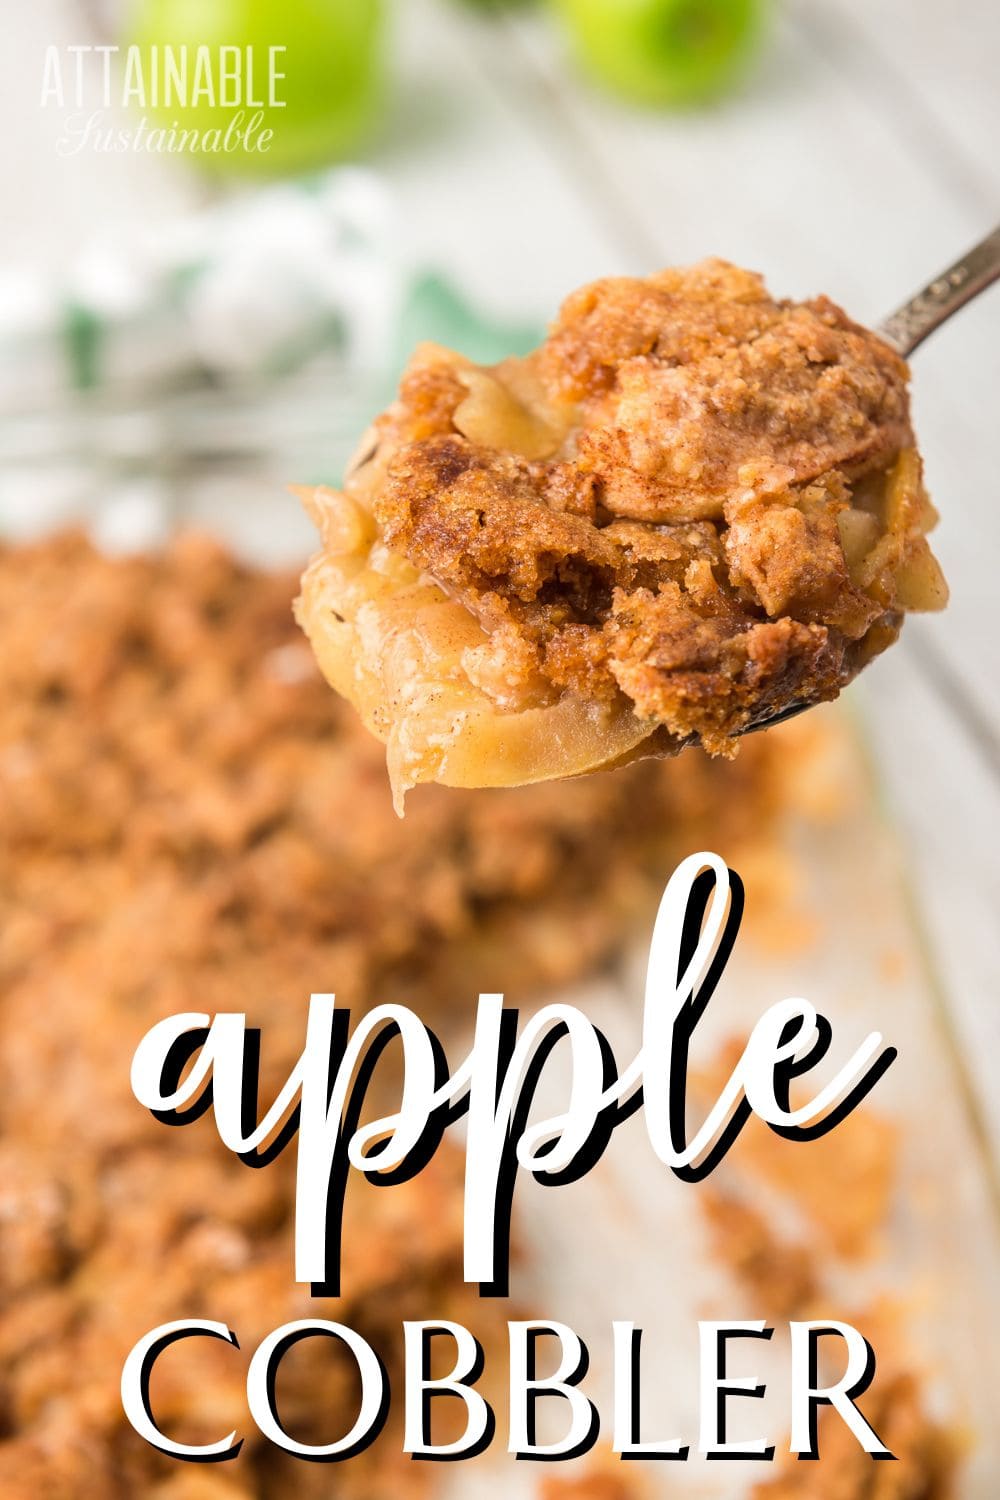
x=781 y=1276
x=779 y=1213
x=604 y=1477
x=191 y=820
x=164 y=729
x=841 y=1185
x=694 y=504
x=927 y=1452
x=842 y=1188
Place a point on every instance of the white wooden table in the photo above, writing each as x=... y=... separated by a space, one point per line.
x=863 y=156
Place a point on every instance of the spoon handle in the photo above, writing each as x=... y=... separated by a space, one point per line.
x=977 y=269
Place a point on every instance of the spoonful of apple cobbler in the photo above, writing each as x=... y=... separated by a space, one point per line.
x=692 y=512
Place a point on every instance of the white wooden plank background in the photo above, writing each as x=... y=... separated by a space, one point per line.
x=863 y=155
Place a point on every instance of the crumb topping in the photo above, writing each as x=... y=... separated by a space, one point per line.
x=692 y=497
x=927 y=1452
x=191 y=819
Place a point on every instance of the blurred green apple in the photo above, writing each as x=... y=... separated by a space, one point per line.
x=323 y=103
x=496 y=5
x=663 y=51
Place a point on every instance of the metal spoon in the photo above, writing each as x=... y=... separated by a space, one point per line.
x=906 y=330
x=939 y=299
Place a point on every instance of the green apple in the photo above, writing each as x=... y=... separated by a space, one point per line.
x=323 y=103
x=495 y=5
x=663 y=51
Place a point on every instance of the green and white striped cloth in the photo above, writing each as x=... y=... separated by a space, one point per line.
x=188 y=376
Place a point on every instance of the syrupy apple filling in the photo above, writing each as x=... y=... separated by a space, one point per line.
x=691 y=509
